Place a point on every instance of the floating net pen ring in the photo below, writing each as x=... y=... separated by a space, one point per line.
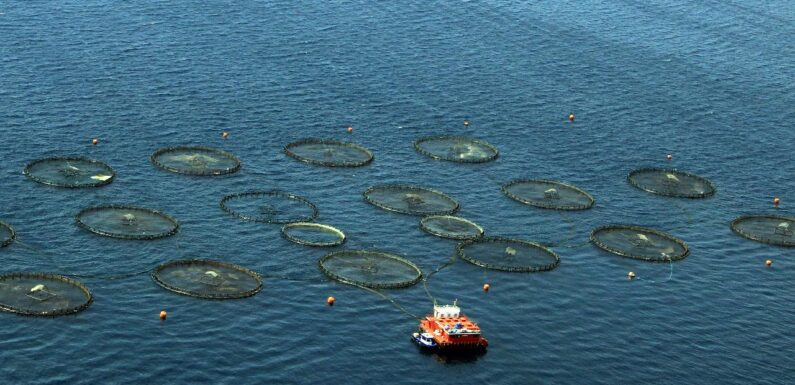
x=770 y=229
x=671 y=182
x=411 y=200
x=639 y=243
x=8 y=234
x=70 y=172
x=548 y=194
x=208 y=279
x=42 y=294
x=370 y=268
x=277 y=207
x=508 y=254
x=195 y=160
x=302 y=232
x=329 y=153
x=451 y=227
x=459 y=149
x=127 y=222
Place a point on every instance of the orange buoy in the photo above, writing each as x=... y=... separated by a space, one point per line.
x=95 y=141
x=224 y=134
x=776 y=201
x=571 y=117
x=330 y=301
x=631 y=275
x=466 y=122
x=769 y=263
x=669 y=157
x=350 y=129
x=163 y=315
x=486 y=287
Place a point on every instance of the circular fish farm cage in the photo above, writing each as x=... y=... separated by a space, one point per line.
x=313 y=234
x=507 y=254
x=70 y=172
x=671 y=183
x=411 y=200
x=195 y=160
x=42 y=294
x=368 y=268
x=207 y=279
x=127 y=222
x=770 y=229
x=639 y=243
x=548 y=194
x=329 y=153
x=269 y=207
x=7 y=234
x=459 y=149
x=451 y=227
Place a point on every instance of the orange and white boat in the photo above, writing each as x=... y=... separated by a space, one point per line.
x=449 y=330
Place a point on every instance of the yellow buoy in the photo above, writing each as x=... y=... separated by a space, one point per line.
x=350 y=129
x=769 y=263
x=95 y=141
x=330 y=301
x=486 y=287
x=163 y=315
x=631 y=275
x=571 y=117
x=776 y=201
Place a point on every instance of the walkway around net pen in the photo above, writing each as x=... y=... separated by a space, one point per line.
x=7 y=234
x=42 y=294
x=370 y=268
x=70 y=171
x=127 y=222
x=277 y=207
x=207 y=279
x=313 y=234
x=671 y=182
x=459 y=149
x=548 y=194
x=195 y=160
x=507 y=254
x=770 y=229
x=451 y=227
x=411 y=200
x=329 y=153
x=639 y=243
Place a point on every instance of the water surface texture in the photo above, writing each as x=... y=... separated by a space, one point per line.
x=710 y=82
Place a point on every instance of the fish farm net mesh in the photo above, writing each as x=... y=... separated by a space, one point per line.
x=7 y=234
x=451 y=227
x=373 y=269
x=72 y=172
x=548 y=194
x=269 y=207
x=508 y=254
x=313 y=234
x=207 y=279
x=672 y=183
x=771 y=229
x=639 y=243
x=410 y=200
x=127 y=222
x=195 y=160
x=456 y=149
x=42 y=294
x=329 y=153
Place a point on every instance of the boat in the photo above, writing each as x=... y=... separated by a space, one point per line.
x=447 y=329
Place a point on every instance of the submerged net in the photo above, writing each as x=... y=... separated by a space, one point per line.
x=74 y=172
x=195 y=160
x=329 y=153
x=207 y=279
x=269 y=207
x=410 y=200
x=313 y=234
x=373 y=269
x=548 y=194
x=772 y=229
x=508 y=254
x=7 y=234
x=456 y=149
x=127 y=222
x=639 y=243
x=671 y=183
x=42 y=294
x=452 y=227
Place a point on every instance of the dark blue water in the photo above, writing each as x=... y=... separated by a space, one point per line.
x=709 y=82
